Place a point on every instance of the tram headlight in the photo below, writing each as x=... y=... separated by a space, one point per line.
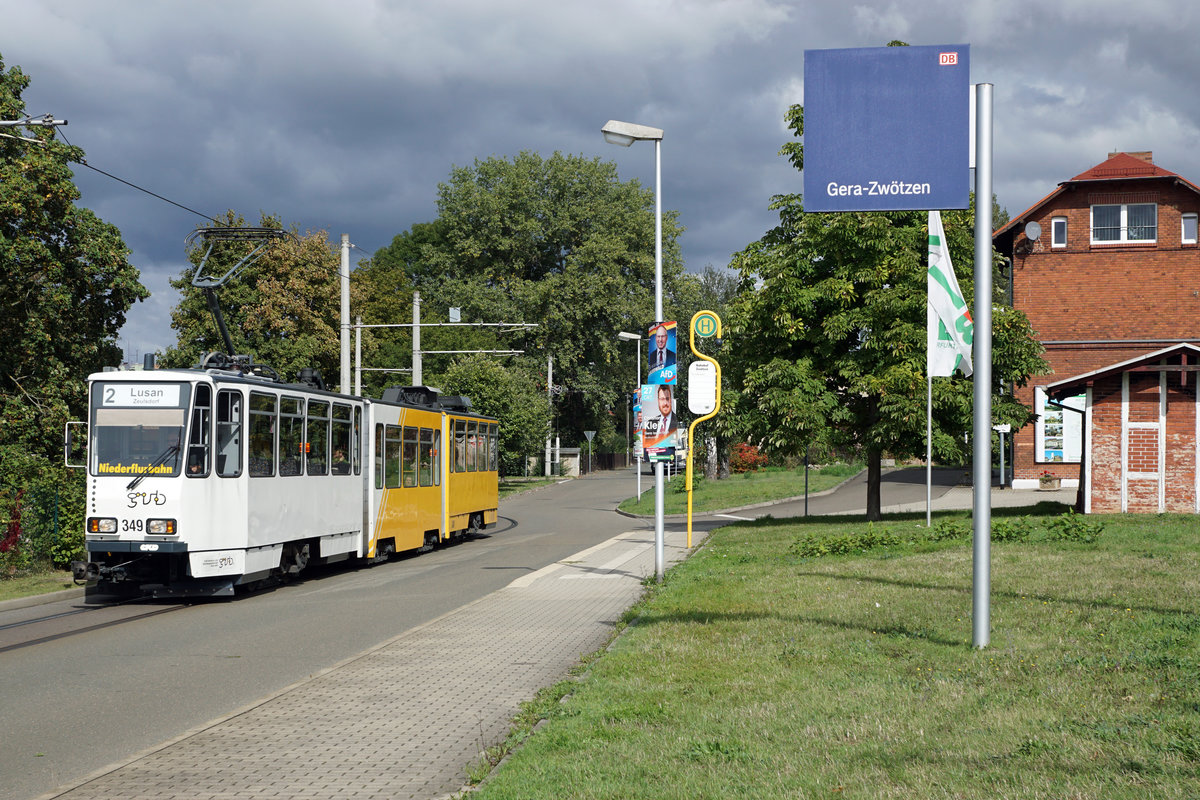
x=102 y=525
x=160 y=527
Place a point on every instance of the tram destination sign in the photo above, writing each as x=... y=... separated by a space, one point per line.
x=141 y=395
x=887 y=128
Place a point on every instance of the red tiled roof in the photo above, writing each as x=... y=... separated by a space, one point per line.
x=1123 y=165
x=1120 y=166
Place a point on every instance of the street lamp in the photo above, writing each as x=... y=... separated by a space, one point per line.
x=625 y=336
x=625 y=134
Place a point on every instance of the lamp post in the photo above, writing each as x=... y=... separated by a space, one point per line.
x=625 y=336
x=625 y=134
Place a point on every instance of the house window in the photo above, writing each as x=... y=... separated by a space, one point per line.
x=1130 y=222
x=1189 y=228
x=1058 y=232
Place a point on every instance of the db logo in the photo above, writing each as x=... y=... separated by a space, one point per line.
x=947 y=59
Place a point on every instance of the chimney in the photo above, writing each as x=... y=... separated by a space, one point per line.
x=1144 y=155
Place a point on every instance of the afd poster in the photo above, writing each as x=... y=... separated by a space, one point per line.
x=660 y=356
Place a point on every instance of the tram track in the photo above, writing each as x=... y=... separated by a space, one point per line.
x=19 y=633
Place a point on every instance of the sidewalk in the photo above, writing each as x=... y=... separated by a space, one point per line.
x=405 y=719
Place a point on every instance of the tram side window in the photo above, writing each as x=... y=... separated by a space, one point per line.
x=262 y=434
x=340 y=440
x=229 y=433
x=472 y=446
x=408 y=466
x=378 y=456
x=391 y=455
x=316 y=448
x=425 y=458
x=199 y=439
x=356 y=445
x=437 y=458
x=481 y=448
x=460 y=445
x=291 y=435
x=494 y=447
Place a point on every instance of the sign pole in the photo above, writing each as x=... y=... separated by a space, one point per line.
x=981 y=616
x=704 y=392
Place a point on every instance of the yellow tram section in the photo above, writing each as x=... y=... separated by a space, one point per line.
x=408 y=480
x=433 y=472
x=472 y=471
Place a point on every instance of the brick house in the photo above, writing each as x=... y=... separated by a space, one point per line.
x=1141 y=432
x=1107 y=268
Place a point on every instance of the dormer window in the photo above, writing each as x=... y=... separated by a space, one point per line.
x=1126 y=222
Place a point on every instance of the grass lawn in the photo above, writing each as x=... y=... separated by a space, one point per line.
x=511 y=486
x=808 y=658
x=26 y=585
x=748 y=488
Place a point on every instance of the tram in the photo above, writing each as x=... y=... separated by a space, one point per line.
x=204 y=480
x=222 y=476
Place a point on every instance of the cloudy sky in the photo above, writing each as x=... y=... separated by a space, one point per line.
x=344 y=116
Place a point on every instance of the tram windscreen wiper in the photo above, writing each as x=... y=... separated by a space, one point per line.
x=170 y=451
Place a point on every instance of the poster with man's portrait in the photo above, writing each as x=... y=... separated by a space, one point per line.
x=660 y=361
x=659 y=422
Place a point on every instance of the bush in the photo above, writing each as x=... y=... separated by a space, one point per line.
x=845 y=544
x=10 y=554
x=1008 y=530
x=946 y=530
x=746 y=458
x=1072 y=527
x=679 y=484
x=41 y=522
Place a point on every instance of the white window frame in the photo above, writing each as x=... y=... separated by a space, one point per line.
x=1124 y=224
x=1183 y=237
x=1054 y=240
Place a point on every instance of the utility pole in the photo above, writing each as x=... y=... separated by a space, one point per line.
x=417 y=373
x=550 y=401
x=344 y=378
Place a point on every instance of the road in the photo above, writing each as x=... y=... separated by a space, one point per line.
x=75 y=704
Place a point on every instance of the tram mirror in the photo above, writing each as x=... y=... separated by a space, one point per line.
x=75 y=445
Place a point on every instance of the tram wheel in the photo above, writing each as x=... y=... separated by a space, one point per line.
x=295 y=558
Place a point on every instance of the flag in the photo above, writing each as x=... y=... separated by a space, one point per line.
x=950 y=331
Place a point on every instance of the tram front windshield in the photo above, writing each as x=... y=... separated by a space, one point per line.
x=138 y=428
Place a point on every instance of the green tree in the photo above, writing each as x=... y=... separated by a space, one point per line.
x=65 y=286
x=283 y=308
x=829 y=334
x=557 y=241
x=511 y=397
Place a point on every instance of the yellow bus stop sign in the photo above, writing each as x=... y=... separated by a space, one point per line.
x=705 y=324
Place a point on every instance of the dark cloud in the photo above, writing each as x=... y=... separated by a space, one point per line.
x=344 y=117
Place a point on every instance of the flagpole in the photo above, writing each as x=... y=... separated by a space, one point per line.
x=929 y=322
x=928 y=448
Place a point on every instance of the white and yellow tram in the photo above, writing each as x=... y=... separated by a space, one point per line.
x=200 y=481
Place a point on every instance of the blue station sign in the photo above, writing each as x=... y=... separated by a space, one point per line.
x=887 y=128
